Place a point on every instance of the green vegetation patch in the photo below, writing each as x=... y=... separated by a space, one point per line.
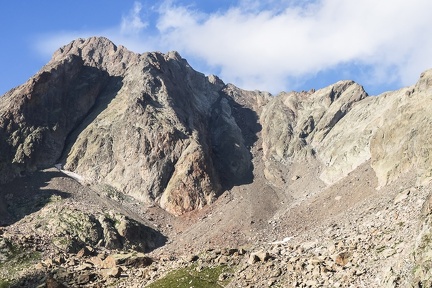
x=18 y=260
x=207 y=277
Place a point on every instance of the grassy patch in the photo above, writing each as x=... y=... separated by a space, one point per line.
x=190 y=277
x=19 y=260
x=62 y=242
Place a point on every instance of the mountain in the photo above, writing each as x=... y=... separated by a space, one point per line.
x=92 y=96
x=108 y=149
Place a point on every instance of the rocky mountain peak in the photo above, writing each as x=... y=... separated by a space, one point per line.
x=98 y=52
x=425 y=82
x=92 y=95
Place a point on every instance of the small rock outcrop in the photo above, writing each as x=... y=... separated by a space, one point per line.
x=71 y=229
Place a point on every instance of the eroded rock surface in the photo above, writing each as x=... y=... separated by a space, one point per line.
x=296 y=125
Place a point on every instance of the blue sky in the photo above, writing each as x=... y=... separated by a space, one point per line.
x=271 y=45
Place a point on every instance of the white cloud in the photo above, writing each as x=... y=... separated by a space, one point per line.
x=47 y=43
x=128 y=33
x=266 y=48
x=275 y=45
x=132 y=23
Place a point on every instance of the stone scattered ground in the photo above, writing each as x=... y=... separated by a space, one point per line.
x=347 y=235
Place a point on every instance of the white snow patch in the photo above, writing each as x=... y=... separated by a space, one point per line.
x=285 y=240
x=71 y=174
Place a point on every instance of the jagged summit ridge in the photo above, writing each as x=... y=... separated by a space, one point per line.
x=102 y=53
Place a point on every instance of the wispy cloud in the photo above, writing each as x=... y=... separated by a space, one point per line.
x=129 y=33
x=267 y=48
x=276 y=45
x=132 y=23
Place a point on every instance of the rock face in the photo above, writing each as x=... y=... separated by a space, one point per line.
x=403 y=144
x=341 y=128
x=296 y=125
x=148 y=125
x=166 y=132
x=37 y=117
